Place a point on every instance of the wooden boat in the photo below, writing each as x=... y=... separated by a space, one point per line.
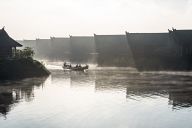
x=80 y=68
x=75 y=68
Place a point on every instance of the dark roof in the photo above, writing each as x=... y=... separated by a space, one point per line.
x=183 y=37
x=6 y=40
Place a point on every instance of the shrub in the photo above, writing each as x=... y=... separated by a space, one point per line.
x=27 y=52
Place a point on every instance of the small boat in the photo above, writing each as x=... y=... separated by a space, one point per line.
x=67 y=66
x=75 y=68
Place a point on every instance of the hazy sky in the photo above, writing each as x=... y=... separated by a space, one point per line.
x=30 y=19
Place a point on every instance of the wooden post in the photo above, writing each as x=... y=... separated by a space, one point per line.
x=13 y=51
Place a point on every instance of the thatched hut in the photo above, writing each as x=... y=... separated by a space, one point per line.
x=7 y=45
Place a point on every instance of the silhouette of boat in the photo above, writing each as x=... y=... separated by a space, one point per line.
x=75 y=68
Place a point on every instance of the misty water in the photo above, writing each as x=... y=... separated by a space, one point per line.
x=98 y=98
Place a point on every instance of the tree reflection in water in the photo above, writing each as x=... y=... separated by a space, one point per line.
x=131 y=84
x=12 y=92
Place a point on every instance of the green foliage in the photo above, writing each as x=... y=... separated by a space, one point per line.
x=27 y=52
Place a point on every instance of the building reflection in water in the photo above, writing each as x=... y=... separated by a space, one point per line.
x=180 y=98
x=13 y=92
x=130 y=84
x=82 y=79
x=177 y=88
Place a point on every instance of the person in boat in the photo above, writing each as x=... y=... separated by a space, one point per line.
x=86 y=66
x=64 y=64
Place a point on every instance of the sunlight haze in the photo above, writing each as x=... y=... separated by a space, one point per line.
x=30 y=19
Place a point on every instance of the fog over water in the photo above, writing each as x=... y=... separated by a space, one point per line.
x=98 y=98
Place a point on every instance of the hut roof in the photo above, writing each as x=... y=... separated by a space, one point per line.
x=6 y=40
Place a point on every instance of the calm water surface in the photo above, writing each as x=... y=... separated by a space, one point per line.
x=105 y=98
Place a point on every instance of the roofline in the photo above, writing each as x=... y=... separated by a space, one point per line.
x=148 y=33
x=81 y=36
x=111 y=35
x=59 y=38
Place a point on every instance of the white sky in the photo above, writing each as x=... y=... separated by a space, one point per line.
x=30 y=19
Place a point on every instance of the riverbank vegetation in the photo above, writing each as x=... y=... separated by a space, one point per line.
x=22 y=65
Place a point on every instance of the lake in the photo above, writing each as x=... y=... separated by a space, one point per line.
x=98 y=98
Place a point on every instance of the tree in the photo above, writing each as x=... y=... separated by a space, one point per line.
x=27 y=52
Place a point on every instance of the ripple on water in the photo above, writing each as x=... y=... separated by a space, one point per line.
x=98 y=98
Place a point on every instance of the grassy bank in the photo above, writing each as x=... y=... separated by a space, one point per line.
x=21 y=68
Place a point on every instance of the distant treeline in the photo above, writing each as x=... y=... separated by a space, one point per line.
x=145 y=51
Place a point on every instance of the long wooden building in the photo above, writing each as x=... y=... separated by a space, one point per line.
x=60 y=48
x=82 y=49
x=113 y=50
x=162 y=51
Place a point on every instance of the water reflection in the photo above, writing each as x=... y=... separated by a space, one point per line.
x=13 y=92
x=176 y=87
x=6 y=99
x=79 y=79
x=180 y=98
x=125 y=84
